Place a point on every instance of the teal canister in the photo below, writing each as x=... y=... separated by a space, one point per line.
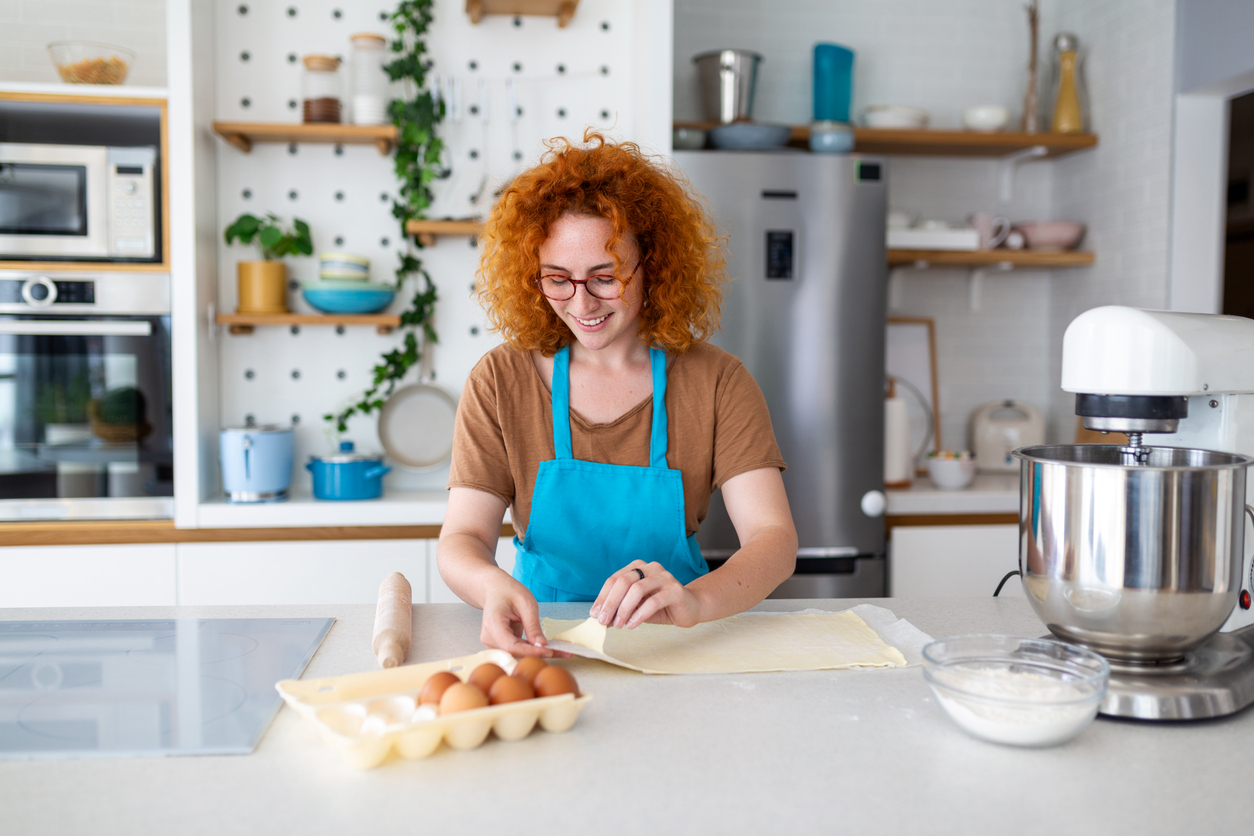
x=833 y=82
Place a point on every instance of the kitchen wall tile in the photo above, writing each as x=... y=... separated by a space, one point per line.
x=62 y=11
x=1121 y=188
x=29 y=26
x=948 y=57
x=944 y=57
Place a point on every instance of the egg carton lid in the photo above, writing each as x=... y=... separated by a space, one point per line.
x=339 y=705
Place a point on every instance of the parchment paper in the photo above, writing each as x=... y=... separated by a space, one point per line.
x=865 y=636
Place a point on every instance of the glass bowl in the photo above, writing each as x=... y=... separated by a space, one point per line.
x=1021 y=692
x=85 y=62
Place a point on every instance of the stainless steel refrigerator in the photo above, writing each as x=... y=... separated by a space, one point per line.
x=805 y=311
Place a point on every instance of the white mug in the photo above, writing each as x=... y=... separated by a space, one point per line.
x=992 y=229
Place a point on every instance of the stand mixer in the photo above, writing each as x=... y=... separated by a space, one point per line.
x=1137 y=550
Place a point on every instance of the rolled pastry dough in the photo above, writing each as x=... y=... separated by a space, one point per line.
x=739 y=644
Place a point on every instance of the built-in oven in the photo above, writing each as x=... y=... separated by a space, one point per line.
x=86 y=429
x=79 y=203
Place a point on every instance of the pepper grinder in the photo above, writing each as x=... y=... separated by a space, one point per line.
x=1068 y=114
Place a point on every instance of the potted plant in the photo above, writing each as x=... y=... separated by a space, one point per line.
x=263 y=284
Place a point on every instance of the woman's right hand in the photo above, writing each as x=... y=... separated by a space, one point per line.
x=509 y=611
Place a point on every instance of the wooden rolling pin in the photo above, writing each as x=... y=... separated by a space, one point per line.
x=393 y=620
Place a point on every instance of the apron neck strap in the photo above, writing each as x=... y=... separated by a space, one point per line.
x=561 y=407
x=561 y=404
x=657 y=439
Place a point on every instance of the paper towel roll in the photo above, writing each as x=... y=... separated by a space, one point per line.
x=898 y=469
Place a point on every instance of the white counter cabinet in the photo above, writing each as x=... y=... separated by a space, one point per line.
x=208 y=574
x=954 y=543
x=952 y=560
x=141 y=575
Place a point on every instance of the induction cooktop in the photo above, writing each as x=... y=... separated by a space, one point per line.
x=193 y=686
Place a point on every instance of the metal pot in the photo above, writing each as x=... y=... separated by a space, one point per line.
x=1140 y=562
x=256 y=462
x=347 y=475
x=728 y=78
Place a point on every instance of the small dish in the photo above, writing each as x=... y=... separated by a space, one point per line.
x=894 y=116
x=951 y=474
x=1052 y=235
x=985 y=118
x=750 y=136
x=1016 y=691
x=831 y=137
x=87 y=62
x=688 y=139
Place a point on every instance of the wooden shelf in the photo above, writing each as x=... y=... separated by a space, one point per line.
x=427 y=231
x=244 y=134
x=943 y=143
x=990 y=258
x=563 y=10
x=86 y=266
x=243 y=323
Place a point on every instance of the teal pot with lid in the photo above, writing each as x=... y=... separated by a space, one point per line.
x=347 y=475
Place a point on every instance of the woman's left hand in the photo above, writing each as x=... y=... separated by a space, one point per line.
x=642 y=592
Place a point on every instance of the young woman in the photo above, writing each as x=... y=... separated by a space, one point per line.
x=605 y=421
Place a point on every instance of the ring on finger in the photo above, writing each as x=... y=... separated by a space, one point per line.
x=638 y=571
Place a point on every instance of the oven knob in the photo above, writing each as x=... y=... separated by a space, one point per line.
x=39 y=292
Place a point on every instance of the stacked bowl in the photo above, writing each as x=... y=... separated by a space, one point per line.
x=344 y=286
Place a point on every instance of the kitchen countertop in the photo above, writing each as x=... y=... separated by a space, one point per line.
x=990 y=493
x=866 y=751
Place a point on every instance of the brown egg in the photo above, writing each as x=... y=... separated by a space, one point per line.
x=510 y=689
x=528 y=667
x=435 y=687
x=462 y=697
x=484 y=675
x=553 y=681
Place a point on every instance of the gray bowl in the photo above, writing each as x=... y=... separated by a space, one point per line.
x=750 y=136
x=1140 y=562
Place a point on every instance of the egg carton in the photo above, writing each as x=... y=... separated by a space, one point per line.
x=364 y=716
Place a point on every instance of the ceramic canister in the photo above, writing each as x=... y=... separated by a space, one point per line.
x=257 y=462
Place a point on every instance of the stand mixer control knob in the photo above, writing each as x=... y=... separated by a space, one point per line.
x=1245 y=599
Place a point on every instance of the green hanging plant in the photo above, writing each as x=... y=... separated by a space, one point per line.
x=417 y=163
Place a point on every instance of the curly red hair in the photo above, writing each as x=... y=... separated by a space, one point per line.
x=679 y=245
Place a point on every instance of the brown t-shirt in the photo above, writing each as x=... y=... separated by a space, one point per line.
x=719 y=427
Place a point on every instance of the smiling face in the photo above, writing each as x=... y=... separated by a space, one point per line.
x=577 y=248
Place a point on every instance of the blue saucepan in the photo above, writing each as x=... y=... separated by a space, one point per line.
x=347 y=475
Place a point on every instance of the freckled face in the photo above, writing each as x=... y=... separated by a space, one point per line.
x=577 y=248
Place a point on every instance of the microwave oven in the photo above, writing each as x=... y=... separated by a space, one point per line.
x=79 y=203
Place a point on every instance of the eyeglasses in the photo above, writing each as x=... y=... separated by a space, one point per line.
x=562 y=288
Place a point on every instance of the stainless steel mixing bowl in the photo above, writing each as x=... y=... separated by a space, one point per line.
x=1140 y=562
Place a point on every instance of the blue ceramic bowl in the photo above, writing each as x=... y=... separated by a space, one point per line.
x=348 y=297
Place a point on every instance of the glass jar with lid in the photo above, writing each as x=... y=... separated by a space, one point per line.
x=320 y=88
x=370 y=82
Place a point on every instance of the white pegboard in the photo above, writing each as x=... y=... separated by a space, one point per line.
x=563 y=80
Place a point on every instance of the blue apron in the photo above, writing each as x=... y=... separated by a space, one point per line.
x=588 y=519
